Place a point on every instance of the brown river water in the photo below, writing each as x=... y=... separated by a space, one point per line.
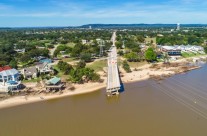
x=176 y=106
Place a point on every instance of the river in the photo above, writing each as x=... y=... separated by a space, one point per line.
x=176 y=106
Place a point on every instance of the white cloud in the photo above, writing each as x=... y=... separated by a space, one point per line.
x=167 y=12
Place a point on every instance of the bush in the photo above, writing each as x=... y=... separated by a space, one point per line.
x=126 y=67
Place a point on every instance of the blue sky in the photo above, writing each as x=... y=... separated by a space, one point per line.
x=23 y=13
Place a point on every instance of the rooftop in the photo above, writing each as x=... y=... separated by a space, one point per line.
x=5 y=68
x=9 y=72
x=53 y=81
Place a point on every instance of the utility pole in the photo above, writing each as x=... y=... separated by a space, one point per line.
x=101 y=45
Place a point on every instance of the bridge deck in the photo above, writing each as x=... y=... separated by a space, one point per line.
x=113 y=81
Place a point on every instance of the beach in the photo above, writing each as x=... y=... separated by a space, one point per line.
x=156 y=71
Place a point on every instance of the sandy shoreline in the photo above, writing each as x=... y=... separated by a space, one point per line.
x=142 y=73
x=20 y=100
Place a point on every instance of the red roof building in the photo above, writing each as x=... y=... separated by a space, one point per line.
x=5 y=68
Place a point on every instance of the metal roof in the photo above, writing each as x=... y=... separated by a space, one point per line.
x=54 y=80
x=9 y=72
x=5 y=68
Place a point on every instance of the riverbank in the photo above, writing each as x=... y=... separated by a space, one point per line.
x=157 y=71
x=80 y=89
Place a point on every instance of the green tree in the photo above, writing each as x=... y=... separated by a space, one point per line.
x=132 y=57
x=86 y=57
x=121 y=53
x=126 y=67
x=150 y=55
x=64 y=67
x=13 y=63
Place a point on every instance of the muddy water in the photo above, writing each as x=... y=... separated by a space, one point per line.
x=176 y=106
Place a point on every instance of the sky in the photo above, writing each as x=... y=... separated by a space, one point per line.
x=30 y=13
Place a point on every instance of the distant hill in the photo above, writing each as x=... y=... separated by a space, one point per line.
x=111 y=26
x=141 y=25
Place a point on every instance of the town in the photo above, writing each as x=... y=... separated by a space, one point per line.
x=44 y=60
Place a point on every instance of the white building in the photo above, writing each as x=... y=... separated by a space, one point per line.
x=9 y=80
x=183 y=48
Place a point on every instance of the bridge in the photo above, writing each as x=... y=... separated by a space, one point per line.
x=113 y=80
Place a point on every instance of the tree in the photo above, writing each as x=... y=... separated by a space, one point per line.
x=64 y=67
x=119 y=44
x=76 y=76
x=132 y=57
x=76 y=51
x=121 y=53
x=86 y=57
x=150 y=55
x=126 y=67
x=13 y=63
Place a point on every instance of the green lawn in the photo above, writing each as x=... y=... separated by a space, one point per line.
x=31 y=81
x=97 y=65
x=71 y=45
x=190 y=54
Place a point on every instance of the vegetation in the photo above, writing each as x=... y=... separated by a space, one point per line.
x=86 y=57
x=98 y=65
x=150 y=55
x=64 y=67
x=78 y=74
x=70 y=41
x=126 y=67
x=189 y=54
x=205 y=49
x=132 y=57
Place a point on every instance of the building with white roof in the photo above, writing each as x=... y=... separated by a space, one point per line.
x=9 y=80
x=171 y=50
x=182 y=48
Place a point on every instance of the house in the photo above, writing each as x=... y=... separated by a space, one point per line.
x=54 y=84
x=40 y=68
x=30 y=72
x=171 y=50
x=9 y=80
x=44 y=68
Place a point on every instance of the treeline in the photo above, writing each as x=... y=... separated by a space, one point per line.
x=33 y=39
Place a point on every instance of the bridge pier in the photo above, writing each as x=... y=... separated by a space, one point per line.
x=113 y=91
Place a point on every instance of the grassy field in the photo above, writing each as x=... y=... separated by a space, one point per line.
x=97 y=65
x=71 y=45
x=137 y=64
x=190 y=54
